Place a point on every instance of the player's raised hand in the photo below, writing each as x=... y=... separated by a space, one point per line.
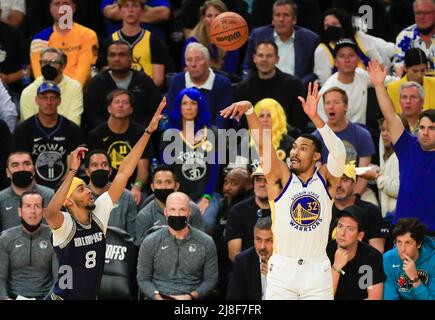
x=76 y=157
x=154 y=123
x=236 y=110
x=377 y=73
x=310 y=103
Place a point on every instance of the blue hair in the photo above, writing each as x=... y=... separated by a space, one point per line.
x=203 y=117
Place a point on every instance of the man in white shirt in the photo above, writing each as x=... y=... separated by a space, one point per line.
x=353 y=80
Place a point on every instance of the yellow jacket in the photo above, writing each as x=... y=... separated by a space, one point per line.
x=71 y=105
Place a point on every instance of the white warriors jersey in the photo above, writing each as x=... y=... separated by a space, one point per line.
x=301 y=215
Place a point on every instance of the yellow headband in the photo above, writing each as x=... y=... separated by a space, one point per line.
x=74 y=184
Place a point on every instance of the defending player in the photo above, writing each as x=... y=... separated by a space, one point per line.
x=301 y=204
x=79 y=234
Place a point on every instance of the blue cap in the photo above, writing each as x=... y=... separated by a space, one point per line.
x=47 y=86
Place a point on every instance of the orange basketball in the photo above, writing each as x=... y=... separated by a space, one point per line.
x=229 y=31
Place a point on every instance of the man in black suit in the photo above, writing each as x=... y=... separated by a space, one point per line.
x=248 y=279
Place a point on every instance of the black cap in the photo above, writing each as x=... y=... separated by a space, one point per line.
x=345 y=42
x=357 y=214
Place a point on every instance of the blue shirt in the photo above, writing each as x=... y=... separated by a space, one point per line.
x=417 y=181
x=357 y=141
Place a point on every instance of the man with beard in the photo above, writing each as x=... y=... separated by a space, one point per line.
x=120 y=75
x=21 y=171
x=243 y=216
x=419 y=35
x=357 y=271
x=163 y=183
x=97 y=168
x=248 y=279
x=237 y=187
x=300 y=202
x=79 y=235
x=53 y=63
x=28 y=264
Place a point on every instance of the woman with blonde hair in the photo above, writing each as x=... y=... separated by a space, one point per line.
x=221 y=60
x=272 y=116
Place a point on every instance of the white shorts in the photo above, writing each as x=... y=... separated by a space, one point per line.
x=299 y=279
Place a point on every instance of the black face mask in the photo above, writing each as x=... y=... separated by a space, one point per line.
x=163 y=194
x=29 y=227
x=49 y=72
x=177 y=222
x=426 y=31
x=100 y=178
x=22 y=179
x=334 y=33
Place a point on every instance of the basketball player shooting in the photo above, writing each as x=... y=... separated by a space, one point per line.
x=79 y=234
x=301 y=204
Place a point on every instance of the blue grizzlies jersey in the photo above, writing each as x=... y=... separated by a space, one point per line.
x=80 y=251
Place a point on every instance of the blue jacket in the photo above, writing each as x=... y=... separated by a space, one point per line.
x=306 y=42
x=396 y=285
x=220 y=97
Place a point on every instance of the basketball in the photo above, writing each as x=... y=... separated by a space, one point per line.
x=229 y=31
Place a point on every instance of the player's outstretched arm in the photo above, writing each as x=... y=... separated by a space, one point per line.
x=53 y=216
x=337 y=151
x=270 y=163
x=128 y=165
x=377 y=75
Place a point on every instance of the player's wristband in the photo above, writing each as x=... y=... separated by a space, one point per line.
x=207 y=196
x=147 y=131
x=73 y=170
x=250 y=111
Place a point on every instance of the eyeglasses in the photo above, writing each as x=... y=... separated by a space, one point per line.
x=50 y=62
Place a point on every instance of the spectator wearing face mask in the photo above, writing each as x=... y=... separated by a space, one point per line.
x=53 y=63
x=163 y=183
x=97 y=168
x=177 y=262
x=337 y=24
x=28 y=263
x=21 y=171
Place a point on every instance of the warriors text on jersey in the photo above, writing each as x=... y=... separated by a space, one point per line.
x=301 y=215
